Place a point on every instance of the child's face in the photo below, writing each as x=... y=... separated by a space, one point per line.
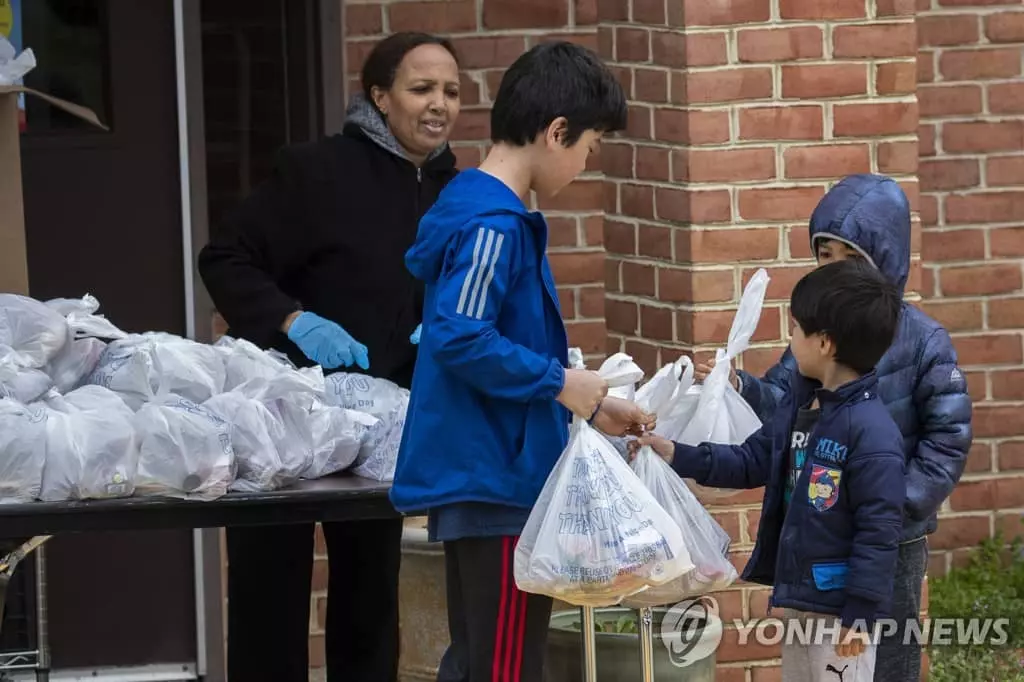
x=558 y=164
x=809 y=351
x=830 y=250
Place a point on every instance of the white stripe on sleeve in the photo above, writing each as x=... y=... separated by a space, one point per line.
x=472 y=271
x=490 y=276
x=478 y=274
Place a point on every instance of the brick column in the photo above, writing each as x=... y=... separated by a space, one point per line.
x=742 y=115
x=972 y=183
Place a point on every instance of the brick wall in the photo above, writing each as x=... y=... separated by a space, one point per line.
x=972 y=206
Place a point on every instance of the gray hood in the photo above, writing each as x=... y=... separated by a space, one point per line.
x=363 y=114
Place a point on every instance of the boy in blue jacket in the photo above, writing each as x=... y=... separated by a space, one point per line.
x=868 y=217
x=492 y=398
x=831 y=462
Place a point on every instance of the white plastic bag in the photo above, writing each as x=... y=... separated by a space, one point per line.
x=83 y=320
x=91 y=448
x=30 y=332
x=75 y=362
x=596 y=535
x=386 y=401
x=372 y=395
x=714 y=412
x=20 y=384
x=378 y=457
x=140 y=367
x=184 y=450
x=245 y=361
x=336 y=436
x=620 y=370
x=22 y=450
x=706 y=541
x=255 y=435
x=330 y=436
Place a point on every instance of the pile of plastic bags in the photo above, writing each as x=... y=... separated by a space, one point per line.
x=604 y=532
x=88 y=411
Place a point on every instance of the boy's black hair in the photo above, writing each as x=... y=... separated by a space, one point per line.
x=383 y=61
x=555 y=79
x=854 y=305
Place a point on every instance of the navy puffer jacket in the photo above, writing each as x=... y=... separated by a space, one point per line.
x=918 y=378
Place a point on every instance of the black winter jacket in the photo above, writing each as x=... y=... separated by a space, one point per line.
x=327 y=233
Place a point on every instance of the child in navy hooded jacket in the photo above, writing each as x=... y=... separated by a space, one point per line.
x=492 y=397
x=831 y=463
x=867 y=216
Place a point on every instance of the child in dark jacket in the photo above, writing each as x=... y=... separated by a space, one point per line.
x=492 y=397
x=868 y=217
x=831 y=462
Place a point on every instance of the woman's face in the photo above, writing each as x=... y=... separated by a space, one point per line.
x=423 y=103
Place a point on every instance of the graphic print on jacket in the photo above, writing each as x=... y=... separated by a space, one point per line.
x=918 y=378
x=805 y=420
x=483 y=424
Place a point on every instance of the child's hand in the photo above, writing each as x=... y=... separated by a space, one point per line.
x=703 y=369
x=851 y=643
x=665 y=448
x=583 y=391
x=618 y=417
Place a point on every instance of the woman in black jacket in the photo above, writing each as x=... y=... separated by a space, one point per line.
x=312 y=264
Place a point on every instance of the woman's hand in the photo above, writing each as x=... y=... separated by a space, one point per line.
x=618 y=417
x=326 y=343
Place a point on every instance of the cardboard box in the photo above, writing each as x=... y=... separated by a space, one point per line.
x=13 y=256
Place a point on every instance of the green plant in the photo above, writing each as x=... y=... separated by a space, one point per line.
x=990 y=586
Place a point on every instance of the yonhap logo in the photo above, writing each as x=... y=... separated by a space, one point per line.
x=691 y=630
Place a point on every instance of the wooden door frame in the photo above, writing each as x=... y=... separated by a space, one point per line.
x=326 y=108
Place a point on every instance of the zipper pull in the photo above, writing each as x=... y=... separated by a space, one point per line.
x=419 y=174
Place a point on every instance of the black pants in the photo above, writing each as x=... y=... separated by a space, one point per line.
x=498 y=634
x=269 y=581
x=899 y=656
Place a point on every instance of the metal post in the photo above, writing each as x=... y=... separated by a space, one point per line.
x=42 y=618
x=646 y=644
x=587 y=630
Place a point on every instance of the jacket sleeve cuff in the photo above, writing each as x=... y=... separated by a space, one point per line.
x=859 y=611
x=691 y=462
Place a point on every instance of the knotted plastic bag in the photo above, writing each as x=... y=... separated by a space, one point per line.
x=23 y=446
x=31 y=333
x=142 y=366
x=184 y=450
x=83 y=318
x=714 y=412
x=91 y=448
x=255 y=436
x=595 y=534
x=386 y=401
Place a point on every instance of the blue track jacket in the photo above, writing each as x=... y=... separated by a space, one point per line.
x=483 y=424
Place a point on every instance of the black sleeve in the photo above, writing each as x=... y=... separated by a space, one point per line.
x=256 y=248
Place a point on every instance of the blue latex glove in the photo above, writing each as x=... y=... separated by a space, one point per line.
x=415 y=338
x=327 y=343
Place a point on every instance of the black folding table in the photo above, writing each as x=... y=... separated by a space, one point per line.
x=343 y=497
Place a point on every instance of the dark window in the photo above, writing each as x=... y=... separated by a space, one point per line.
x=69 y=40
